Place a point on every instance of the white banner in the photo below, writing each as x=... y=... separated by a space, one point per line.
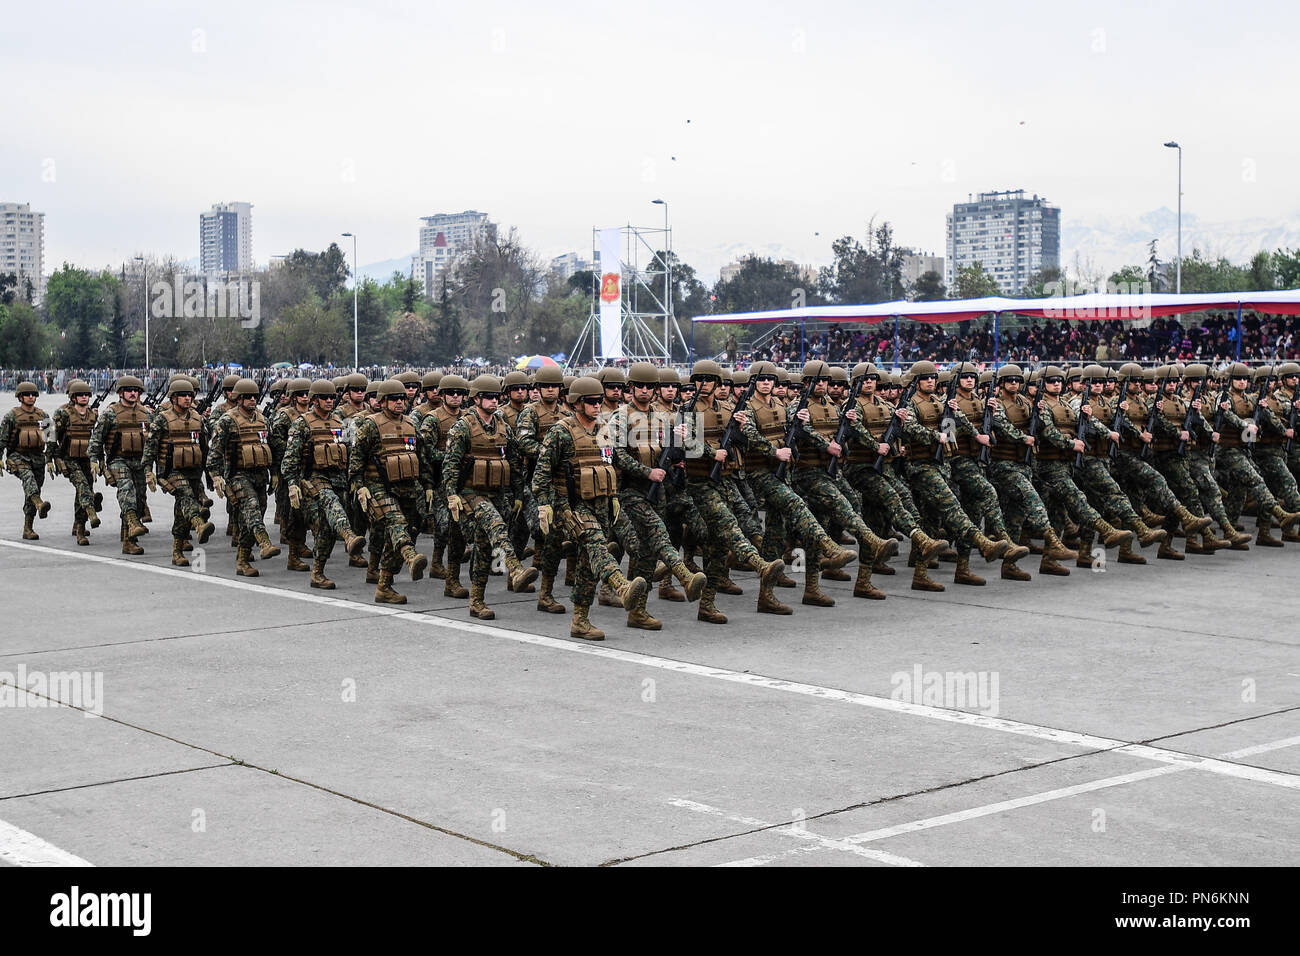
x=611 y=293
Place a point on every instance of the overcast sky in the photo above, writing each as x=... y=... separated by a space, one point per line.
x=763 y=124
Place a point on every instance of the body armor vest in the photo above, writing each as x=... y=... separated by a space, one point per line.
x=972 y=408
x=447 y=417
x=593 y=468
x=130 y=426
x=547 y=417
x=489 y=467
x=397 y=455
x=328 y=451
x=822 y=420
x=26 y=436
x=179 y=448
x=251 y=448
x=929 y=410
x=347 y=410
x=1139 y=410
x=1104 y=414
x=1066 y=422
x=1017 y=410
x=76 y=438
x=1173 y=408
x=710 y=423
x=769 y=419
x=1242 y=408
x=874 y=415
x=643 y=438
x=510 y=414
x=1266 y=436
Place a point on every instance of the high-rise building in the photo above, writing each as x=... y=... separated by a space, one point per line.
x=22 y=247
x=226 y=238
x=1011 y=236
x=916 y=264
x=571 y=262
x=444 y=238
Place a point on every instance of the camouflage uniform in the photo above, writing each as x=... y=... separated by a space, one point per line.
x=175 y=450
x=120 y=445
x=1270 y=456
x=318 y=466
x=434 y=430
x=1022 y=508
x=24 y=444
x=1055 y=453
x=73 y=429
x=1094 y=477
x=385 y=460
x=1236 y=471
x=293 y=524
x=929 y=479
x=233 y=454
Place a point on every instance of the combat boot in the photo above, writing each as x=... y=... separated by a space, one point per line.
x=882 y=549
x=42 y=507
x=640 y=618
x=662 y=571
x=863 y=588
x=187 y=546
x=296 y=553
x=728 y=586
x=813 y=595
x=768 y=603
x=1010 y=572
x=1286 y=519
x=1084 y=558
x=265 y=549
x=1111 y=536
x=451 y=586
x=353 y=544
x=1291 y=536
x=692 y=583
x=882 y=567
x=921 y=580
x=476 y=606
x=1027 y=541
x=924 y=545
x=415 y=561
x=242 y=566
x=1194 y=546
x=1168 y=552
x=1147 y=535
x=708 y=611
x=1055 y=548
x=947 y=555
x=1237 y=540
x=318 y=579
x=436 y=567
x=1264 y=538
x=1150 y=517
x=1014 y=551
x=130 y=545
x=689 y=560
x=833 y=557
x=356 y=561
x=80 y=531
x=629 y=592
x=767 y=571
x=92 y=518
x=1048 y=565
x=384 y=593
x=606 y=597
x=990 y=550
x=178 y=553
x=1191 y=524
x=964 y=575
x=581 y=627
x=204 y=529
x=146 y=515
x=372 y=568
x=1217 y=543
x=521 y=578
x=784 y=580
x=669 y=593
x=836 y=574
x=545 y=599
x=1128 y=556
x=133 y=526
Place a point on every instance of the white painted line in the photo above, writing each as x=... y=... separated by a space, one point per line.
x=20 y=848
x=817 y=841
x=980 y=721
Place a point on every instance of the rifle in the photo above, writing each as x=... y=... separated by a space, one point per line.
x=211 y=397
x=671 y=452
x=1121 y=416
x=732 y=431
x=1192 y=414
x=794 y=429
x=987 y=425
x=102 y=395
x=845 y=429
x=265 y=405
x=1261 y=394
x=1218 y=423
x=1035 y=421
x=895 y=426
x=1159 y=397
x=1290 y=421
x=948 y=417
x=1081 y=431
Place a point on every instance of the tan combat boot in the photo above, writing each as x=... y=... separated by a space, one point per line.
x=1128 y=556
x=728 y=586
x=693 y=583
x=354 y=544
x=436 y=567
x=1048 y=565
x=318 y=579
x=1150 y=517
x=476 y=606
x=863 y=588
x=1217 y=543
x=629 y=592
x=265 y=549
x=42 y=507
x=662 y=573
x=1111 y=537
x=581 y=627
x=1010 y=572
x=1055 y=548
x=1028 y=542
x=545 y=599
x=964 y=575
x=242 y=566
x=1286 y=519
x=415 y=561
x=767 y=571
x=606 y=597
x=707 y=611
x=1146 y=535
x=925 y=546
x=372 y=568
x=521 y=578
x=92 y=514
x=813 y=595
x=80 y=531
x=133 y=526
x=667 y=592
x=784 y=580
x=921 y=580
x=178 y=553
x=1264 y=538
x=991 y=550
x=1237 y=540
x=768 y=603
x=204 y=529
x=1191 y=524
x=947 y=555
x=1084 y=560
x=639 y=617
x=834 y=557
x=452 y=587
x=1014 y=551
x=130 y=545
x=384 y=593
x=1168 y=552
x=836 y=574
x=882 y=567
x=296 y=553
x=145 y=514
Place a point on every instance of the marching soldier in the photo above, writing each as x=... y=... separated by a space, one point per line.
x=534 y=422
x=239 y=462
x=116 y=445
x=433 y=433
x=24 y=433
x=350 y=406
x=74 y=423
x=1269 y=455
x=429 y=389
x=173 y=460
x=292 y=523
x=515 y=394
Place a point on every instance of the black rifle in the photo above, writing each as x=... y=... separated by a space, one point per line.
x=1121 y=416
x=1081 y=430
x=949 y=416
x=732 y=431
x=1261 y=394
x=1290 y=421
x=569 y=484
x=1159 y=397
x=794 y=429
x=211 y=397
x=1189 y=422
x=895 y=425
x=268 y=405
x=102 y=395
x=987 y=425
x=846 y=427
x=1035 y=422
x=1218 y=422
x=671 y=452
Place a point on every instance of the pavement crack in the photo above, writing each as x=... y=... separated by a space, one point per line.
x=101 y=783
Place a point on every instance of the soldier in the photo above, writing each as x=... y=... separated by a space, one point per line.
x=429 y=389
x=1269 y=454
x=239 y=462
x=482 y=481
x=411 y=382
x=433 y=432
x=679 y=513
x=25 y=432
x=1288 y=375
x=1200 y=457
x=173 y=459
x=315 y=472
x=115 y=447
x=74 y=423
x=384 y=473
x=575 y=485
x=534 y=422
x=515 y=391
x=354 y=390
x=293 y=529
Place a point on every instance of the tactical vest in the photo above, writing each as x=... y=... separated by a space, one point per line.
x=1267 y=436
x=547 y=417
x=179 y=448
x=446 y=418
x=593 y=468
x=76 y=437
x=1243 y=409
x=397 y=455
x=769 y=419
x=130 y=426
x=328 y=451
x=1103 y=413
x=929 y=411
x=1139 y=410
x=347 y=410
x=874 y=414
x=250 y=437
x=489 y=469
x=1066 y=422
x=823 y=421
x=510 y=414
x=26 y=436
x=972 y=408
x=710 y=423
x=643 y=435
x=1017 y=411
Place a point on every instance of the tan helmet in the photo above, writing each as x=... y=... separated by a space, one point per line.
x=373 y=387
x=586 y=387
x=567 y=380
x=180 y=385
x=357 y=380
x=78 y=387
x=339 y=382
x=706 y=368
x=1094 y=372
x=390 y=388
x=896 y=378
x=783 y=375
x=762 y=368
x=485 y=385
x=322 y=388
x=1287 y=369
x=1130 y=370
x=816 y=369
x=1010 y=371
x=1195 y=372
x=244 y=387
x=514 y=380
x=548 y=375
x=409 y=378
x=669 y=376
x=128 y=381
x=298 y=386
x=1264 y=371
x=965 y=368
x=922 y=368
x=229 y=382
x=609 y=375
x=1074 y=373
x=1052 y=371
x=986 y=376
x=278 y=386
x=1238 y=370
x=945 y=378
x=643 y=374
x=26 y=388
x=453 y=383
x=839 y=374
x=430 y=380
x=1150 y=374
x=740 y=379
x=863 y=370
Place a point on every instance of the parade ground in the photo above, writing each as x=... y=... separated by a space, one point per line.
x=1121 y=716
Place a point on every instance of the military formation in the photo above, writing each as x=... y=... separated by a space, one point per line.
x=763 y=469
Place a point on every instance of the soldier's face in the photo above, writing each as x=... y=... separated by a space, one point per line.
x=550 y=394
x=356 y=395
x=487 y=403
x=81 y=400
x=706 y=387
x=1011 y=386
x=183 y=400
x=394 y=405
x=614 y=394
x=27 y=399
x=248 y=402
x=324 y=405
x=668 y=393
x=430 y=394
x=518 y=393
x=926 y=384
x=302 y=401
x=1096 y=388
x=763 y=384
x=453 y=399
x=641 y=394
x=129 y=396
x=1052 y=386
x=966 y=383
x=869 y=385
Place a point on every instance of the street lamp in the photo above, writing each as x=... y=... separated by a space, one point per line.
x=144 y=296
x=668 y=294
x=356 y=343
x=1179 y=280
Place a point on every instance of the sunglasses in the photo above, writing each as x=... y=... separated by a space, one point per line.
x=1054 y=380
x=1009 y=379
x=591 y=400
x=354 y=388
x=453 y=392
x=492 y=395
x=765 y=378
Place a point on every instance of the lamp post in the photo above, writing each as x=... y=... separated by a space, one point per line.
x=1179 y=273
x=356 y=342
x=668 y=294
x=144 y=297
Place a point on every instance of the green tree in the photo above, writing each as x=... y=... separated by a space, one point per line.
x=447 y=339
x=1043 y=283
x=863 y=274
x=762 y=284
x=310 y=332
x=1128 y=279
x=372 y=322
x=1286 y=267
x=77 y=303
x=325 y=272
x=412 y=339
x=497 y=286
x=23 y=339
x=974 y=283
x=929 y=287
x=1261 y=273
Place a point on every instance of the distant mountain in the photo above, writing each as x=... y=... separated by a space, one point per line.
x=381 y=272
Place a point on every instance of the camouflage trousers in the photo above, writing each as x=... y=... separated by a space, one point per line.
x=1095 y=480
x=1208 y=493
x=77 y=471
x=1022 y=508
x=740 y=500
x=293 y=521
x=325 y=512
x=978 y=498
x=929 y=483
x=832 y=509
x=1239 y=477
x=1270 y=460
x=1060 y=490
x=722 y=534
x=247 y=493
x=30 y=470
x=128 y=476
x=524 y=525
x=789 y=518
x=491 y=539
x=883 y=507
x=1144 y=485
x=651 y=532
x=447 y=534
x=587 y=526
x=187 y=491
x=396 y=517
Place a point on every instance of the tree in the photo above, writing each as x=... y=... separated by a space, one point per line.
x=497 y=286
x=310 y=332
x=763 y=284
x=115 y=340
x=77 y=304
x=326 y=272
x=447 y=338
x=1128 y=279
x=412 y=339
x=928 y=287
x=582 y=282
x=372 y=322
x=1261 y=273
x=864 y=274
x=23 y=340
x=974 y=283
x=1044 y=283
